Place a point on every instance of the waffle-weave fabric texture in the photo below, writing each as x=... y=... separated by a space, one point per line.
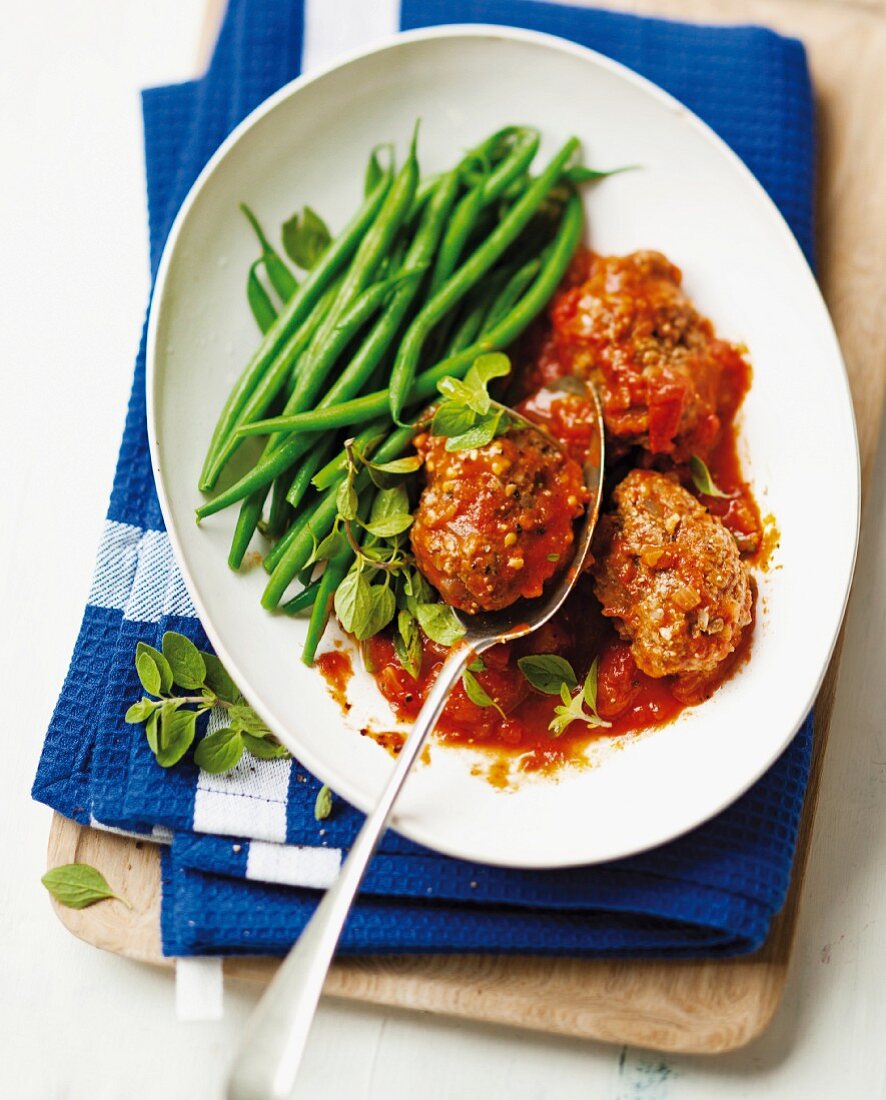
x=246 y=855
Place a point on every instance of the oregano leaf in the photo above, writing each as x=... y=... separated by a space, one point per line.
x=486 y=367
x=389 y=502
x=439 y=622
x=451 y=419
x=384 y=475
x=141 y=711
x=589 y=690
x=323 y=803
x=407 y=643
x=390 y=526
x=177 y=730
x=305 y=238
x=478 y=695
x=161 y=663
x=265 y=748
x=346 y=500
x=484 y=431
x=78 y=885
x=152 y=731
x=382 y=608
x=334 y=544
x=547 y=672
x=220 y=751
x=185 y=660
x=243 y=718
x=352 y=601
x=148 y=673
x=218 y=680
x=702 y=480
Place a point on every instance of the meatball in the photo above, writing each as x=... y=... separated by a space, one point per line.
x=657 y=364
x=670 y=575
x=494 y=523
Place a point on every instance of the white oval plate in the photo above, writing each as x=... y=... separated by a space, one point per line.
x=693 y=200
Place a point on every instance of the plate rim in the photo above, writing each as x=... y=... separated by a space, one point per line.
x=487 y=31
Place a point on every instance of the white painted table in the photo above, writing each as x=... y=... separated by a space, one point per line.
x=76 y=1024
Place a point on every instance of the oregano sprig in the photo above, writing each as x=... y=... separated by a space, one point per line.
x=554 y=675
x=171 y=718
x=467 y=415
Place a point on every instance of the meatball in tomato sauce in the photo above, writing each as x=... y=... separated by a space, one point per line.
x=626 y=324
x=670 y=576
x=494 y=523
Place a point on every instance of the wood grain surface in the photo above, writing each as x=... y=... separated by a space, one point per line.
x=704 y=1006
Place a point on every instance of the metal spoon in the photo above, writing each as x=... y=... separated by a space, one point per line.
x=270 y=1050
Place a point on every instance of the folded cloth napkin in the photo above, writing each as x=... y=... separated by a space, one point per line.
x=246 y=855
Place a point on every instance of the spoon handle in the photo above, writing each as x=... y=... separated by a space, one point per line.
x=270 y=1050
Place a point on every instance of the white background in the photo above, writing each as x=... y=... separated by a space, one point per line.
x=78 y=1024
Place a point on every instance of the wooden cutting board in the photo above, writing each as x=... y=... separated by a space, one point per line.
x=704 y=1006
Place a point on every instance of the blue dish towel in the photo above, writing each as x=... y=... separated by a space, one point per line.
x=245 y=856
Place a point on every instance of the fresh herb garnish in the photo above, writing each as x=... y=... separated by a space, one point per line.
x=323 y=803
x=467 y=415
x=554 y=675
x=547 y=672
x=383 y=584
x=305 y=238
x=78 y=885
x=702 y=480
x=440 y=623
x=578 y=708
x=407 y=642
x=477 y=693
x=171 y=719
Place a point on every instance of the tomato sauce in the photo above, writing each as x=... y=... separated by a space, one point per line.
x=516 y=729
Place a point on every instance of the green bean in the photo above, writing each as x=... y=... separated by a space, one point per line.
x=489 y=188
x=280 y=512
x=303 y=600
x=374 y=169
x=263 y=309
x=334 y=573
x=473 y=269
x=463 y=220
x=423 y=192
x=295 y=311
x=292 y=489
x=382 y=335
x=368 y=356
x=372 y=405
x=279 y=458
x=251 y=509
x=471 y=324
x=370 y=252
x=338 y=465
x=512 y=292
x=284 y=369
x=282 y=279
x=282 y=545
x=301 y=546
x=303 y=480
